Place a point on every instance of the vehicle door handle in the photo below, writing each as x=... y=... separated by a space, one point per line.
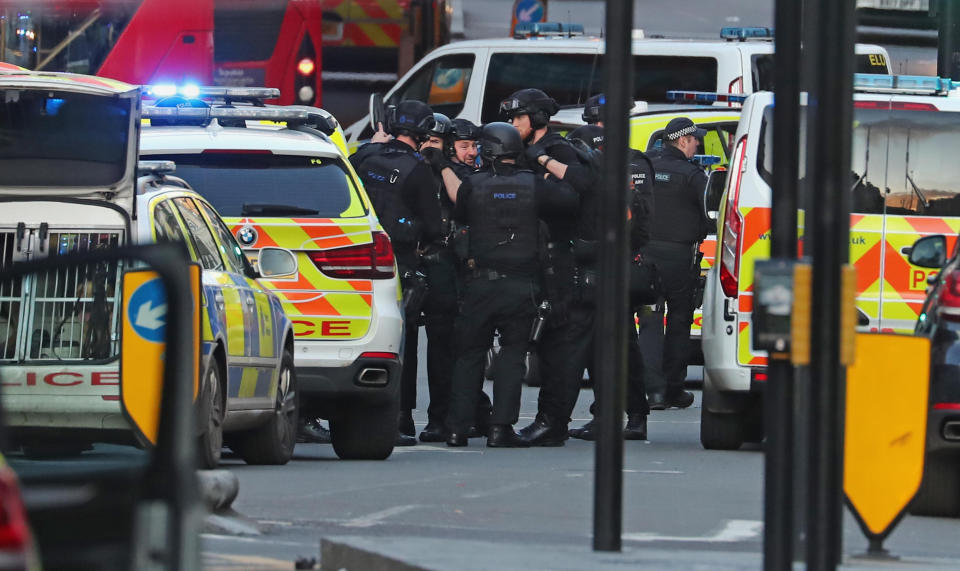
x=218 y=298
x=250 y=301
x=906 y=250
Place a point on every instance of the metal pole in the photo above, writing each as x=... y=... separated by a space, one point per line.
x=947 y=39
x=612 y=307
x=778 y=405
x=829 y=120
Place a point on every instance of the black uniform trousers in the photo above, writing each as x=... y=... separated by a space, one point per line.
x=440 y=314
x=506 y=305
x=636 y=374
x=675 y=262
x=407 y=262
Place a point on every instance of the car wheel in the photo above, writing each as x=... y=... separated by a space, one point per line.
x=720 y=431
x=939 y=493
x=365 y=432
x=212 y=412
x=273 y=442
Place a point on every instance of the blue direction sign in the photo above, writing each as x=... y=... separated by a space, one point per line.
x=529 y=11
x=147 y=311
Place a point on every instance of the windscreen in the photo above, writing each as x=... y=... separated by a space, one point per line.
x=50 y=138
x=264 y=184
x=763 y=68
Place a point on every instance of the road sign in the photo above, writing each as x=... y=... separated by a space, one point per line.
x=143 y=350
x=528 y=11
x=886 y=427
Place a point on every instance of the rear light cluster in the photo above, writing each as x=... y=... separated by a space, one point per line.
x=305 y=80
x=896 y=105
x=733 y=227
x=948 y=301
x=14 y=532
x=364 y=261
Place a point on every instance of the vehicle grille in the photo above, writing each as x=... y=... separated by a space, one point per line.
x=70 y=313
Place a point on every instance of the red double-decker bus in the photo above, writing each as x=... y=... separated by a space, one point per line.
x=272 y=43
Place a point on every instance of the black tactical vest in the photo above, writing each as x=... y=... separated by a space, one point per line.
x=679 y=217
x=383 y=175
x=504 y=226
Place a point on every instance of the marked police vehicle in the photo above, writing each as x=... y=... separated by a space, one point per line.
x=903 y=185
x=279 y=179
x=70 y=182
x=469 y=79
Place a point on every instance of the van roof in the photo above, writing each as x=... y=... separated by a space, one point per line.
x=174 y=139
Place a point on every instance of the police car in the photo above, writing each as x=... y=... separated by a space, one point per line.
x=279 y=179
x=902 y=185
x=70 y=182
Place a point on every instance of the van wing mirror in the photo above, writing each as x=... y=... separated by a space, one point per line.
x=716 y=183
x=377 y=111
x=929 y=252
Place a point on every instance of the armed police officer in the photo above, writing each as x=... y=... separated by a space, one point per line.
x=679 y=226
x=502 y=207
x=403 y=191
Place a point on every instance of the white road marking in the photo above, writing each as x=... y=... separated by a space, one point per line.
x=652 y=472
x=375 y=518
x=424 y=448
x=734 y=530
x=274 y=522
x=498 y=491
x=269 y=540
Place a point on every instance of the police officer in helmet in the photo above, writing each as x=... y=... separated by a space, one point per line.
x=679 y=226
x=502 y=206
x=403 y=191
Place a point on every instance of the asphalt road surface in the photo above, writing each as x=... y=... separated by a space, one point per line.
x=477 y=508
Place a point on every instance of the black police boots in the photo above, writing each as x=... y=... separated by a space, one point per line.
x=433 y=433
x=585 y=432
x=661 y=401
x=312 y=431
x=457 y=439
x=636 y=428
x=543 y=431
x=503 y=436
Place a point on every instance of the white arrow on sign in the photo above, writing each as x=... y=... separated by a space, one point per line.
x=150 y=317
x=526 y=15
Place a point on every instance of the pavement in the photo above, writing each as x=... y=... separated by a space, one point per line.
x=434 y=507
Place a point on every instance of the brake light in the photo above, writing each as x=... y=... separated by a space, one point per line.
x=736 y=86
x=948 y=301
x=364 y=261
x=896 y=105
x=14 y=532
x=305 y=66
x=733 y=227
x=305 y=84
x=946 y=406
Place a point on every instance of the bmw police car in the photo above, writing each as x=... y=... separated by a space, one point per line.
x=70 y=182
x=279 y=178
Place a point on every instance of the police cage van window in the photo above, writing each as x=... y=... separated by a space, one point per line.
x=263 y=184
x=902 y=161
x=62 y=139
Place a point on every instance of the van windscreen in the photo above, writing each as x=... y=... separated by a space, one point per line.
x=64 y=139
x=763 y=68
x=571 y=78
x=242 y=184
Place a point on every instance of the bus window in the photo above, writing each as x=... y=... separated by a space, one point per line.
x=246 y=30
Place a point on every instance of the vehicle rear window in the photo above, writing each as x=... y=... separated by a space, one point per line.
x=571 y=78
x=51 y=138
x=763 y=68
x=268 y=185
x=246 y=30
x=902 y=162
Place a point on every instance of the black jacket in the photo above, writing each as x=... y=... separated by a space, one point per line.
x=678 y=193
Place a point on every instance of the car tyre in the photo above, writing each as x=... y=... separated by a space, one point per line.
x=212 y=412
x=720 y=431
x=365 y=432
x=273 y=443
x=939 y=493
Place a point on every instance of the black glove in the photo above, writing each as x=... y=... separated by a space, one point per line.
x=534 y=152
x=435 y=158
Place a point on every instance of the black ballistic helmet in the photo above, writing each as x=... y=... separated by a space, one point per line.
x=413 y=118
x=589 y=135
x=500 y=141
x=465 y=130
x=442 y=126
x=593 y=109
x=533 y=102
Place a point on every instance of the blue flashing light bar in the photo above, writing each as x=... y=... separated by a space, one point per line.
x=535 y=29
x=193 y=91
x=705 y=160
x=705 y=97
x=922 y=84
x=742 y=34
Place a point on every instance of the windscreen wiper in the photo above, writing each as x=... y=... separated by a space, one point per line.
x=260 y=209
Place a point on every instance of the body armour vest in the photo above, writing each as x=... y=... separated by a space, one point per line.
x=383 y=175
x=504 y=226
x=678 y=217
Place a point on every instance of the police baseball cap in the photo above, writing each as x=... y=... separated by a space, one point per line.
x=681 y=126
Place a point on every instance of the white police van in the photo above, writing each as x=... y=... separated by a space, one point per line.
x=469 y=79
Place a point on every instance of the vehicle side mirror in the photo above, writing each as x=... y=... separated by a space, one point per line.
x=716 y=183
x=277 y=263
x=377 y=111
x=929 y=252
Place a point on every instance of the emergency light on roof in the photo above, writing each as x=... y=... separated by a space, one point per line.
x=743 y=34
x=155 y=167
x=542 y=29
x=705 y=97
x=244 y=113
x=922 y=84
x=210 y=92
